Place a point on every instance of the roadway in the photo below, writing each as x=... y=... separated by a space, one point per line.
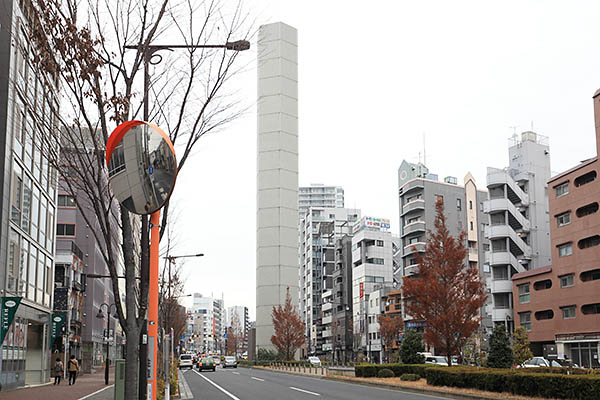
x=246 y=384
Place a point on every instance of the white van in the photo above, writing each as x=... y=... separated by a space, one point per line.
x=185 y=361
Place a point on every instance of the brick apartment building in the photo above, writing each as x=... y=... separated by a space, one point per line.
x=560 y=304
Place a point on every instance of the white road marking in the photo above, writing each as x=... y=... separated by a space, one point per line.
x=97 y=391
x=237 y=373
x=257 y=379
x=304 y=391
x=217 y=386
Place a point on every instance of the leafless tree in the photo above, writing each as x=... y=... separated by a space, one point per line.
x=79 y=47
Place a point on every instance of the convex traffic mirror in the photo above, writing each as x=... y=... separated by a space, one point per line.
x=141 y=166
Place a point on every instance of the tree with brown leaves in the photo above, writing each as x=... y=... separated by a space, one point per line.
x=235 y=336
x=445 y=294
x=289 y=328
x=389 y=329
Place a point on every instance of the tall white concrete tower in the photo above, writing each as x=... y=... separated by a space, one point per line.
x=277 y=266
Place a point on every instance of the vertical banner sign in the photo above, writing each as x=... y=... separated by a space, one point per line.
x=362 y=290
x=8 y=309
x=58 y=320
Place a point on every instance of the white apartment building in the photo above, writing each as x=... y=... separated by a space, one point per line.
x=319 y=231
x=208 y=324
x=372 y=270
x=242 y=316
x=519 y=223
x=319 y=195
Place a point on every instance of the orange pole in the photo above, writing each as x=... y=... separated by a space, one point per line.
x=153 y=303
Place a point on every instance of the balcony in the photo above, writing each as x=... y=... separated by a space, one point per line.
x=327 y=307
x=502 y=204
x=326 y=333
x=500 y=286
x=411 y=185
x=418 y=204
x=414 y=248
x=502 y=314
x=327 y=320
x=411 y=270
x=497 y=177
x=418 y=226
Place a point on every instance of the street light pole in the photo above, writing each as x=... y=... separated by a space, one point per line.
x=147 y=269
x=101 y=315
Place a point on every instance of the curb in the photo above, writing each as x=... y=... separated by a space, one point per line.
x=440 y=393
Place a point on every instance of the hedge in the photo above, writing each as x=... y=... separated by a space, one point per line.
x=372 y=370
x=518 y=382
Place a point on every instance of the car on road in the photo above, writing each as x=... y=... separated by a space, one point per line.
x=186 y=361
x=315 y=361
x=229 y=361
x=207 y=363
x=217 y=360
x=437 y=360
x=537 y=362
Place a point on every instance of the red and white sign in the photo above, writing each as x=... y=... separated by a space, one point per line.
x=362 y=290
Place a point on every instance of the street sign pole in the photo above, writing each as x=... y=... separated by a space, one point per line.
x=153 y=303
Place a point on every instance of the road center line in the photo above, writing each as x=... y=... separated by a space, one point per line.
x=257 y=379
x=237 y=373
x=304 y=391
x=215 y=385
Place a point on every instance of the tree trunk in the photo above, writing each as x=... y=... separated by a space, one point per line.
x=131 y=363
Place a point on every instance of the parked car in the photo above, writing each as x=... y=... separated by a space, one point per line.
x=207 y=363
x=537 y=362
x=437 y=360
x=315 y=361
x=230 y=361
x=186 y=361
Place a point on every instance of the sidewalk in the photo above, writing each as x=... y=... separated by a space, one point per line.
x=84 y=386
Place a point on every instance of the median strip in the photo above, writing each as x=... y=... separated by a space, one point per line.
x=304 y=391
x=215 y=385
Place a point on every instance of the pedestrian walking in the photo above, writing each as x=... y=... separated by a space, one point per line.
x=58 y=371
x=73 y=369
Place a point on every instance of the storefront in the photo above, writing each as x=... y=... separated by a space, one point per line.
x=25 y=354
x=582 y=349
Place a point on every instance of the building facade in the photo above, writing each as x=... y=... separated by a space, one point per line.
x=418 y=192
x=28 y=196
x=241 y=313
x=517 y=212
x=372 y=271
x=319 y=195
x=319 y=231
x=560 y=304
x=206 y=325
x=277 y=178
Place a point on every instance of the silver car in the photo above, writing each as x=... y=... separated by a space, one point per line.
x=230 y=361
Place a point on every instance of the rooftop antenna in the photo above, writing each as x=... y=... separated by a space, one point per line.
x=531 y=125
x=424 y=153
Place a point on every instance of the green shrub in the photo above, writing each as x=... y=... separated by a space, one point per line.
x=372 y=370
x=411 y=345
x=521 y=382
x=409 y=377
x=385 y=373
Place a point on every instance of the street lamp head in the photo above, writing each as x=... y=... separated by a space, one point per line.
x=239 y=45
x=100 y=314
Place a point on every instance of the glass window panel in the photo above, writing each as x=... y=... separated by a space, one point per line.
x=17 y=194
x=35 y=212
x=40 y=271
x=50 y=228
x=14 y=253
x=43 y=216
x=23 y=266
x=26 y=204
x=31 y=273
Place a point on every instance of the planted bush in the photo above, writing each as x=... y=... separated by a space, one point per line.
x=409 y=377
x=385 y=373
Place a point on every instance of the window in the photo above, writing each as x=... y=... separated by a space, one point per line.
x=585 y=178
x=561 y=189
x=565 y=249
x=566 y=281
x=380 y=243
x=591 y=275
x=66 y=201
x=117 y=161
x=65 y=229
x=501 y=300
x=458 y=205
x=543 y=285
x=415 y=239
x=568 y=312
x=587 y=209
x=481 y=206
x=563 y=219
x=524 y=293
x=471 y=225
x=525 y=320
x=470 y=204
x=545 y=314
x=332 y=216
x=591 y=308
x=589 y=242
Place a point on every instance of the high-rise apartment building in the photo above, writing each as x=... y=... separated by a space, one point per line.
x=319 y=231
x=560 y=304
x=28 y=195
x=463 y=207
x=241 y=313
x=208 y=325
x=372 y=271
x=517 y=212
x=319 y=195
x=277 y=178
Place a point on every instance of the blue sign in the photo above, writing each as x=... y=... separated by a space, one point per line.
x=225 y=335
x=151 y=169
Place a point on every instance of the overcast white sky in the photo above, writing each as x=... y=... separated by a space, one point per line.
x=373 y=78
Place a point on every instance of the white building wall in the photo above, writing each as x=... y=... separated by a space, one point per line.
x=277 y=202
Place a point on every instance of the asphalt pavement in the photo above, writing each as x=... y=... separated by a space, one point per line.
x=246 y=384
